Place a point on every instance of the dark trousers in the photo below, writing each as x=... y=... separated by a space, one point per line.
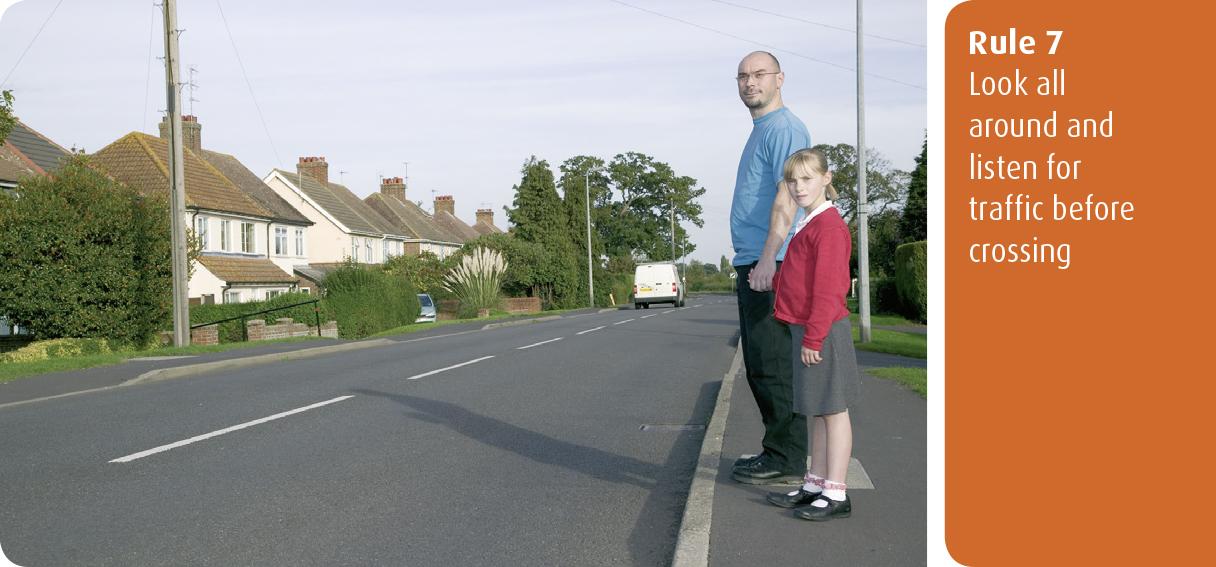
x=770 y=375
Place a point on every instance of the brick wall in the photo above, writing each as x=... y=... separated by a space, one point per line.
x=209 y=335
x=286 y=327
x=516 y=305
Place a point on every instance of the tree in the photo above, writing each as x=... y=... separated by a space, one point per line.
x=914 y=225
x=576 y=185
x=424 y=271
x=539 y=217
x=84 y=256
x=7 y=120
x=886 y=187
x=639 y=224
x=724 y=265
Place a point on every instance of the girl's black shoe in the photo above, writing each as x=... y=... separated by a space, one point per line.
x=833 y=510
x=794 y=499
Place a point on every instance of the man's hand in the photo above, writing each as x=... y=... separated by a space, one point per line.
x=761 y=276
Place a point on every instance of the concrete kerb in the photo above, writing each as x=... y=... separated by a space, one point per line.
x=692 y=544
x=234 y=363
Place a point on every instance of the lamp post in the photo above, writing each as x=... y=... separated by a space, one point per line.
x=587 y=197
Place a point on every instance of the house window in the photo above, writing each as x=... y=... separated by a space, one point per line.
x=385 y=252
x=354 y=248
x=280 y=241
x=305 y=291
x=247 y=242
x=367 y=247
x=225 y=239
x=232 y=297
x=200 y=230
x=273 y=293
x=299 y=242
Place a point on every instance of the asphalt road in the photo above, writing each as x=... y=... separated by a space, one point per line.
x=513 y=446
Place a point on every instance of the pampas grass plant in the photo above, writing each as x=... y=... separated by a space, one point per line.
x=477 y=280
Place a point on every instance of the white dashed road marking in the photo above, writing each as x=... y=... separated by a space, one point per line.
x=538 y=344
x=446 y=368
x=198 y=438
x=622 y=322
x=590 y=330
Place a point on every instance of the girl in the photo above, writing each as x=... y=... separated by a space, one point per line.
x=810 y=290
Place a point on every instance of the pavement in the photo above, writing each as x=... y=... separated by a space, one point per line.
x=724 y=523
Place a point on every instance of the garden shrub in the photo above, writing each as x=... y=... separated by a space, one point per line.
x=56 y=348
x=911 y=280
x=366 y=300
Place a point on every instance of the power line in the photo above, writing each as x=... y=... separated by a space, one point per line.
x=32 y=40
x=249 y=84
x=765 y=45
x=814 y=23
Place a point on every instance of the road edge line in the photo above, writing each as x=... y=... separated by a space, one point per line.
x=692 y=544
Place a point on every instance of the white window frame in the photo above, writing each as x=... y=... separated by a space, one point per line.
x=280 y=241
x=232 y=297
x=300 y=242
x=249 y=243
x=354 y=248
x=225 y=236
x=367 y=247
x=386 y=254
x=272 y=293
x=200 y=230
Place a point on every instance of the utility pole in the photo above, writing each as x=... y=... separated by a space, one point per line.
x=863 y=221
x=177 y=180
x=587 y=202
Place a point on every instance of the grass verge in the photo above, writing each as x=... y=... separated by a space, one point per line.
x=912 y=345
x=914 y=379
x=13 y=370
x=889 y=320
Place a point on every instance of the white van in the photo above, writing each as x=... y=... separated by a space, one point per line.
x=657 y=282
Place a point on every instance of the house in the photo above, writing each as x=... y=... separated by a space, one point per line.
x=485 y=223
x=445 y=217
x=24 y=153
x=422 y=232
x=345 y=227
x=234 y=228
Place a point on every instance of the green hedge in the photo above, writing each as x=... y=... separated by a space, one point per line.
x=366 y=300
x=231 y=331
x=911 y=271
x=56 y=348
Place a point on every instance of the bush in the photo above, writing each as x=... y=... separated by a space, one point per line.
x=911 y=279
x=477 y=280
x=231 y=331
x=367 y=300
x=83 y=256
x=56 y=348
x=884 y=296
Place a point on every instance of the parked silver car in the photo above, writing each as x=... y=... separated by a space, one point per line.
x=427 y=312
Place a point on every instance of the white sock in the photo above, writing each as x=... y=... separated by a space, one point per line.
x=833 y=490
x=812 y=483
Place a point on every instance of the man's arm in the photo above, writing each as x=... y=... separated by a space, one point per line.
x=780 y=219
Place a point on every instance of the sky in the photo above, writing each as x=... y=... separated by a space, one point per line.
x=466 y=92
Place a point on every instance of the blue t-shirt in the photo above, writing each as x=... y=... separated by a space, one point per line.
x=774 y=137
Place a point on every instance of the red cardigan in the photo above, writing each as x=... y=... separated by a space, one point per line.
x=811 y=285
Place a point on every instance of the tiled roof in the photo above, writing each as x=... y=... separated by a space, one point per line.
x=408 y=217
x=252 y=185
x=141 y=162
x=327 y=198
x=483 y=227
x=370 y=215
x=245 y=270
x=36 y=147
x=12 y=167
x=452 y=225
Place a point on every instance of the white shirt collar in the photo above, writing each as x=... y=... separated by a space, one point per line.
x=807 y=218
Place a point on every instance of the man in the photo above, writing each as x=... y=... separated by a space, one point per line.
x=761 y=217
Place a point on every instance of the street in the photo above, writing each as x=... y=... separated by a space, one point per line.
x=557 y=443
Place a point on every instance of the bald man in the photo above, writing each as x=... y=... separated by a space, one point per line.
x=761 y=219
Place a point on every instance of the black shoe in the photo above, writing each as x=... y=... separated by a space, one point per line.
x=763 y=472
x=833 y=510
x=742 y=462
x=796 y=499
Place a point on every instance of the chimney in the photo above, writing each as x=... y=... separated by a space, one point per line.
x=316 y=168
x=486 y=216
x=192 y=132
x=445 y=203
x=393 y=187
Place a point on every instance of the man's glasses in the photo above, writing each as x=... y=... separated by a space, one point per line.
x=758 y=75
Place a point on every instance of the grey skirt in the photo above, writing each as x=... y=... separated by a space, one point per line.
x=830 y=386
